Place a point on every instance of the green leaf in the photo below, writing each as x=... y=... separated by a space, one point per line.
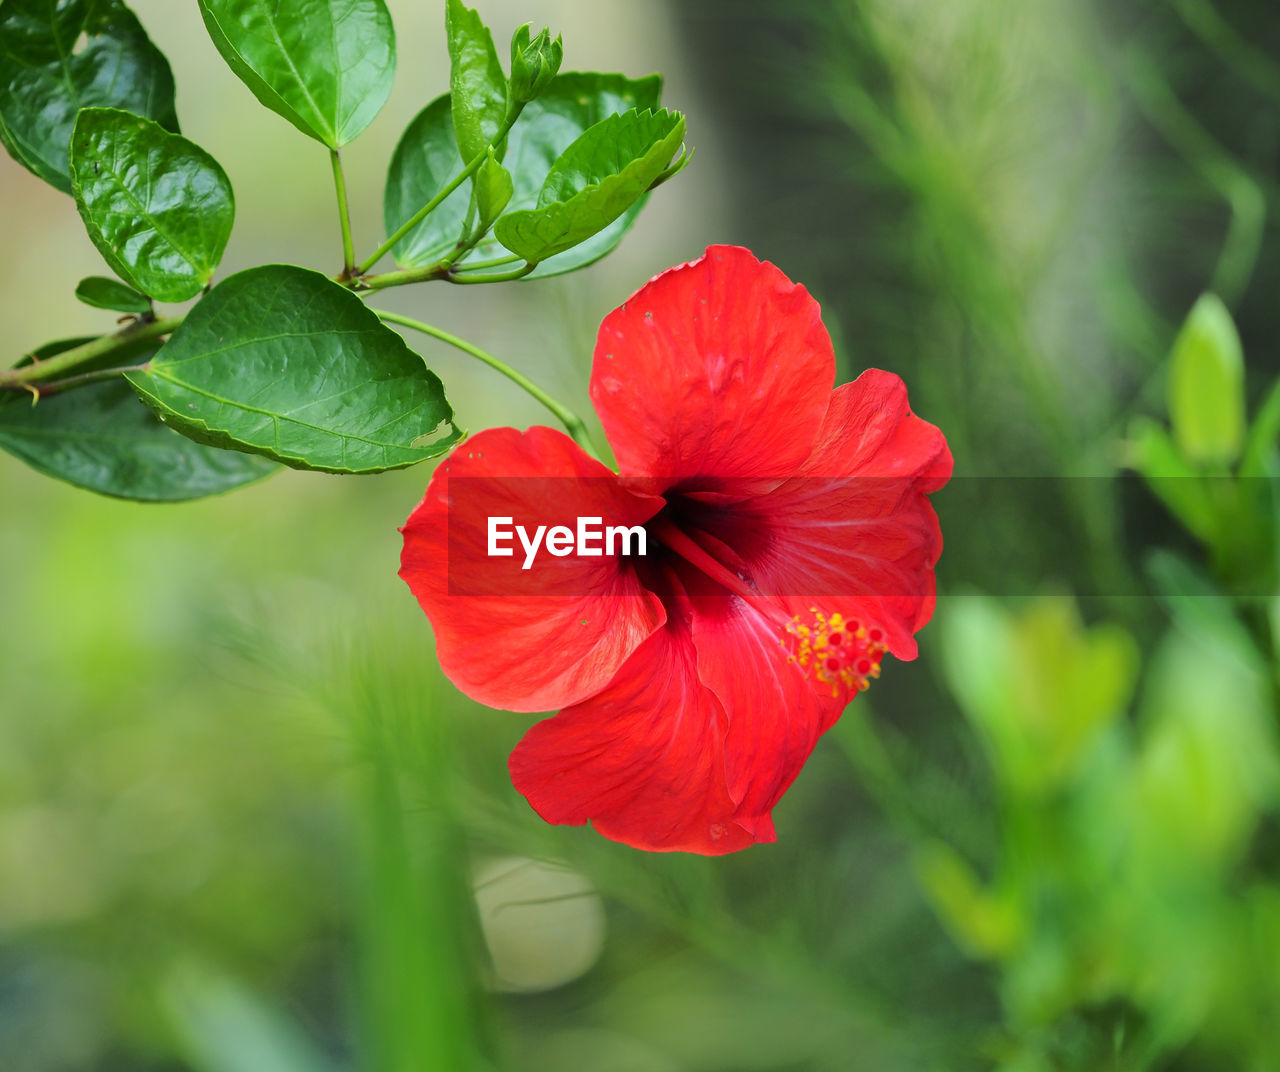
x=1043 y=689
x=101 y=438
x=596 y=179
x=1206 y=386
x=477 y=86
x=493 y=190
x=426 y=159
x=282 y=361
x=326 y=65
x=1183 y=490
x=1209 y=763
x=986 y=923
x=157 y=206
x=1258 y=458
x=104 y=293
x=58 y=56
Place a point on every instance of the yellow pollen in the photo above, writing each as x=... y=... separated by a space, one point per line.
x=835 y=650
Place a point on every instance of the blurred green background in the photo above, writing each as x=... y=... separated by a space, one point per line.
x=245 y=825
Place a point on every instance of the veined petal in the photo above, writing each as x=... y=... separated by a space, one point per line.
x=526 y=639
x=643 y=760
x=869 y=430
x=853 y=532
x=775 y=710
x=719 y=369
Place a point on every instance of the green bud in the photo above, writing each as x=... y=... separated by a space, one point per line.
x=533 y=63
x=1206 y=386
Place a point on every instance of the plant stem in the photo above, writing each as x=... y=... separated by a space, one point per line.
x=344 y=213
x=55 y=387
x=498 y=262
x=452 y=185
x=382 y=280
x=503 y=277
x=572 y=422
x=138 y=331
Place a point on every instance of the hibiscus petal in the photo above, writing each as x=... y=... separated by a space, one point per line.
x=775 y=711
x=643 y=760
x=853 y=532
x=869 y=430
x=718 y=369
x=536 y=639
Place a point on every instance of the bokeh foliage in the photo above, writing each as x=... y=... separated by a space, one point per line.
x=240 y=811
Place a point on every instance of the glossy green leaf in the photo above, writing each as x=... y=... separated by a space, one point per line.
x=477 y=86
x=282 y=361
x=104 y=293
x=325 y=65
x=157 y=206
x=596 y=179
x=1206 y=385
x=493 y=191
x=426 y=159
x=101 y=438
x=58 y=56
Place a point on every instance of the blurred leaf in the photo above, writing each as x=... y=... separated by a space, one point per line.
x=326 y=66
x=1209 y=763
x=1206 y=385
x=493 y=191
x=101 y=438
x=1258 y=458
x=1039 y=687
x=223 y=1026
x=1183 y=489
x=595 y=180
x=982 y=924
x=1195 y=602
x=63 y=55
x=157 y=206
x=477 y=86
x=426 y=158
x=104 y=293
x=283 y=362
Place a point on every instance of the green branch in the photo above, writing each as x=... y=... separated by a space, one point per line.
x=138 y=331
x=572 y=422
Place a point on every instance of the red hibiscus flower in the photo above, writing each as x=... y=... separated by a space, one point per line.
x=790 y=545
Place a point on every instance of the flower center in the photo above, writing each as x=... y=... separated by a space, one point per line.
x=835 y=650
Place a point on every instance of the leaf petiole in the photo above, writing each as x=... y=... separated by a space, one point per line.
x=497 y=262
x=344 y=214
x=43 y=390
x=502 y=277
x=572 y=422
